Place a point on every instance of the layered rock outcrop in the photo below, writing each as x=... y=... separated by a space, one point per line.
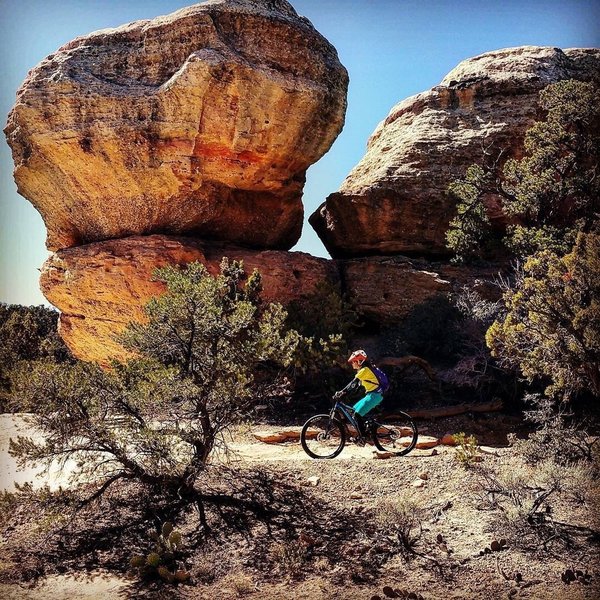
x=202 y=122
x=395 y=200
x=186 y=138
x=388 y=289
x=102 y=286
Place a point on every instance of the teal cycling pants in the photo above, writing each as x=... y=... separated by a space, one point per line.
x=368 y=403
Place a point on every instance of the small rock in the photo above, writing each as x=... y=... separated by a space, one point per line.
x=426 y=441
x=568 y=576
x=356 y=496
x=448 y=440
x=418 y=483
x=389 y=592
x=439 y=538
x=313 y=480
x=424 y=475
x=269 y=437
x=495 y=546
x=382 y=455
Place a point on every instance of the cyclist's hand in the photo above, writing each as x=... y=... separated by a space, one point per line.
x=337 y=395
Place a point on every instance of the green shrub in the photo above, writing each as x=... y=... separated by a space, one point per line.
x=157 y=418
x=550 y=194
x=465 y=452
x=551 y=330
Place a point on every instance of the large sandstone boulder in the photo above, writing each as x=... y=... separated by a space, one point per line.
x=395 y=200
x=202 y=122
x=102 y=286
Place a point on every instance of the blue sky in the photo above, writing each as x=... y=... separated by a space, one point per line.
x=391 y=48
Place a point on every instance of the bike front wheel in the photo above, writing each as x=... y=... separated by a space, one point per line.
x=323 y=437
x=399 y=437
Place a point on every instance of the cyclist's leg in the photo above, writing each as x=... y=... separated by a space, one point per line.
x=368 y=403
x=363 y=406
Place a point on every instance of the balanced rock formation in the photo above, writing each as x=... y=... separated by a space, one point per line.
x=101 y=287
x=200 y=122
x=395 y=200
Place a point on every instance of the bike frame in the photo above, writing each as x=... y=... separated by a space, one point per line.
x=346 y=411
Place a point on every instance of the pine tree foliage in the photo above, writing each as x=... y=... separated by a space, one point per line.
x=158 y=418
x=550 y=194
x=551 y=332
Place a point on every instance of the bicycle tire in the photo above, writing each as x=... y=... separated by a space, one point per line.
x=399 y=438
x=330 y=436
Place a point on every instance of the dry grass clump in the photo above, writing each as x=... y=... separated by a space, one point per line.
x=402 y=517
x=242 y=584
x=290 y=556
x=533 y=503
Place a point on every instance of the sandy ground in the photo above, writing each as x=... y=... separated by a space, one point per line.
x=353 y=480
x=12 y=426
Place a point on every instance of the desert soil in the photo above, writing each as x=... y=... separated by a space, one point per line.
x=359 y=485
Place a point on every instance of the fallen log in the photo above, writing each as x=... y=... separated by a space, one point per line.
x=450 y=411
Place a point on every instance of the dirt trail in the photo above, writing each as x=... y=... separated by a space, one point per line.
x=244 y=448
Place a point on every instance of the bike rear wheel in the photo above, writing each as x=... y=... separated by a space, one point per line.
x=323 y=437
x=399 y=437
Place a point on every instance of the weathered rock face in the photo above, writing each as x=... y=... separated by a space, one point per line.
x=203 y=121
x=394 y=201
x=102 y=286
x=388 y=289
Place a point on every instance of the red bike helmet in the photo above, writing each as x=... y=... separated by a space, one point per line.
x=358 y=356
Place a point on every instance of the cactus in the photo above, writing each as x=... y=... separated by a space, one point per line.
x=167 y=528
x=175 y=539
x=162 y=560
x=166 y=574
x=137 y=561
x=153 y=559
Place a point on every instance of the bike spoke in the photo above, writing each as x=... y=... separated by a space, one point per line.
x=399 y=437
x=322 y=437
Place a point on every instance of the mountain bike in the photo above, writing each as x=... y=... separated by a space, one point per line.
x=324 y=436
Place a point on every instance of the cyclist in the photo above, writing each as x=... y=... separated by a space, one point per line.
x=365 y=381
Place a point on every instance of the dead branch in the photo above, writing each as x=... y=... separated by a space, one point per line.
x=405 y=362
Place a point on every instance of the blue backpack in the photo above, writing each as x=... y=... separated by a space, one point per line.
x=382 y=379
